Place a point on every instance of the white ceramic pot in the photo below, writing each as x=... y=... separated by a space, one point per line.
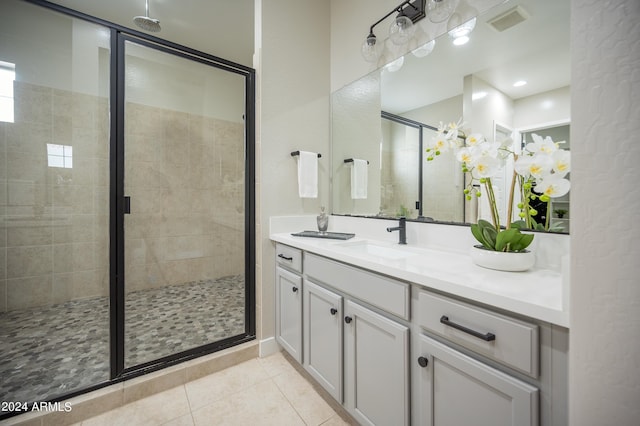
x=502 y=261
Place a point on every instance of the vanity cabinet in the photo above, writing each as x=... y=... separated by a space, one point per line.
x=350 y=327
x=456 y=389
x=376 y=367
x=289 y=300
x=459 y=389
x=323 y=319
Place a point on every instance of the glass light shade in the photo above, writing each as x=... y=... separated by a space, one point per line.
x=464 y=29
x=401 y=30
x=424 y=50
x=440 y=10
x=395 y=65
x=461 y=40
x=370 y=49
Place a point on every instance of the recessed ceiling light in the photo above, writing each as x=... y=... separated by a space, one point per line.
x=461 y=40
x=519 y=83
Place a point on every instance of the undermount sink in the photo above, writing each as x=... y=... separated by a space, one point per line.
x=372 y=249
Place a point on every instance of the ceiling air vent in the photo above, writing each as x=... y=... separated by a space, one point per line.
x=508 y=19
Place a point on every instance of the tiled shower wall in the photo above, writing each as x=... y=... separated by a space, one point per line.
x=185 y=175
x=54 y=229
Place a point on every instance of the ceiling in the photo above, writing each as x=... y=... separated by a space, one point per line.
x=536 y=50
x=224 y=28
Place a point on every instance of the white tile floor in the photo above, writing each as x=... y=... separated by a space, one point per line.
x=262 y=391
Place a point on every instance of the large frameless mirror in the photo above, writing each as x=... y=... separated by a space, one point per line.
x=480 y=82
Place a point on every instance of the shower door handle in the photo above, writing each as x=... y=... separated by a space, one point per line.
x=127 y=205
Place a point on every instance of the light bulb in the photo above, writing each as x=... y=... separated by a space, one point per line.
x=424 y=50
x=461 y=40
x=401 y=30
x=440 y=10
x=370 y=49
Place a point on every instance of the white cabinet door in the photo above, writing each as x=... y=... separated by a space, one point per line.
x=458 y=390
x=323 y=337
x=289 y=312
x=376 y=367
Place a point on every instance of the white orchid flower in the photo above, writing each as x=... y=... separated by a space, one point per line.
x=540 y=145
x=439 y=143
x=474 y=139
x=465 y=155
x=537 y=165
x=485 y=166
x=561 y=162
x=553 y=185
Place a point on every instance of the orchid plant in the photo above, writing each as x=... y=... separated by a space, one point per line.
x=540 y=171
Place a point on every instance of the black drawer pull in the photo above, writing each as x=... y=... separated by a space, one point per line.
x=282 y=256
x=348 y=319
x=295 y=289
x=423 y=362
x=486 y=337
x=333 y=311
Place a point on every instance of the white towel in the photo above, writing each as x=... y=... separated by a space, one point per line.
x=359 y=179
x=308 y=174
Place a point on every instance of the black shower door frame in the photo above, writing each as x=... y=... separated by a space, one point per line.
x=119 y=203
x=119 y=35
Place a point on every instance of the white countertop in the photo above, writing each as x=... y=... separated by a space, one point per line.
x=537 y=293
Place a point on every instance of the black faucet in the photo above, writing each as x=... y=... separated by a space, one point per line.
x=402 y=227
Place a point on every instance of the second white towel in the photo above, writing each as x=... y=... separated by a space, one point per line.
x=359 y=180
x=308 y=174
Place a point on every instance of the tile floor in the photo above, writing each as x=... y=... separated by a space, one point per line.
x=262 y=391
x=55 y=350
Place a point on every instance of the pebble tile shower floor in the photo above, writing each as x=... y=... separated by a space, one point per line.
x=61 y=348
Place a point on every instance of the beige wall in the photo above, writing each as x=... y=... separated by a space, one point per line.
x=292 y=57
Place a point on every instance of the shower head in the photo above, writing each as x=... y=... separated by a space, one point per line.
x=147 y=23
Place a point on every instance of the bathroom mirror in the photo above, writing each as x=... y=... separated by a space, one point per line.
x=519 y=40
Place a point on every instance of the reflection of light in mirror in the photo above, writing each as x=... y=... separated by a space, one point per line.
x=478 y=95
x=519 y=83
x=424 y=50
x=461 y=40
x=547 y=104
x=394 y=66
x=464 y=29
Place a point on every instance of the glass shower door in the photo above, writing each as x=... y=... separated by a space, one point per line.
x=184 y=187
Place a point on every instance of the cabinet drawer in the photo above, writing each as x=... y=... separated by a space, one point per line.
x=289 y=257
x=504 y=339
x=382 y=292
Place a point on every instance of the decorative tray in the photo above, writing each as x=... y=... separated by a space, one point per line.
x=331 y=235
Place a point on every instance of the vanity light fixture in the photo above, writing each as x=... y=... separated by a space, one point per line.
x=424 y=50
x=440 y=10
x=408 y=13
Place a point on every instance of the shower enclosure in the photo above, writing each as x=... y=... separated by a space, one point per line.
x=126 y=203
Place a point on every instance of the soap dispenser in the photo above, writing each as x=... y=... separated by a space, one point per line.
x=323 y=221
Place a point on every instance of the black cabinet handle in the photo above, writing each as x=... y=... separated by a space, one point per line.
x=294 y=289
x=282 y=256
x=488 y=337
x=423 y=361
x=348 y=319
x=333 y=311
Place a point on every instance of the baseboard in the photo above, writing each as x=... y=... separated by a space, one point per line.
x=268 y=347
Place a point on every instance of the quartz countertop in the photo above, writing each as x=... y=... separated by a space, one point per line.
x=537 y=293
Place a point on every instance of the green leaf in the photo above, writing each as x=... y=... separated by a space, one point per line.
x=490 y=234
x=524 y=242
x=477 y=233
x=504 y=238
x=519 y=224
